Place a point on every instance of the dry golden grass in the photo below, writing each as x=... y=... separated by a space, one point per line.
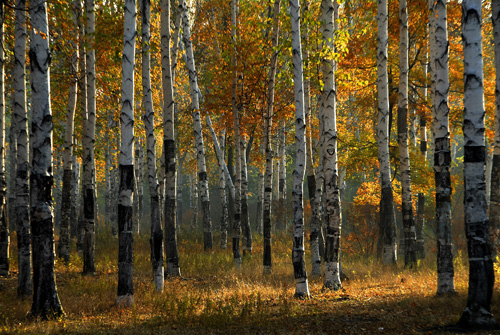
x=213 y=297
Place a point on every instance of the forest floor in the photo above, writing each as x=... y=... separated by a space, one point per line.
x=213 y=297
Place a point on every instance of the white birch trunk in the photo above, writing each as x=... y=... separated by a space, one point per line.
x=268 y=174
x=156 y=240
x=126 y=193
x=237 y=141
x=67 y=187
x=245 y=220
x=299 y=266
x=88 y=148
x=171 y=251
x=387 y=220
x=330 y=160
x=198 y=133
x=224 y=218
x=442 y=157
x=410 y=238
x=477 y=313
x=281 y=219
x=22 y=218
x=46 y=302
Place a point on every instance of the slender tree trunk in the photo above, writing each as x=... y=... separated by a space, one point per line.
x=245 y=220
x=172 y=254
x=67 y=187
x=330 y=164
x=198 y=133
x=237 y=140
x=82 y=96
x=46 y=302
x=4 y=225
x=494 y=213
x=22 y=217
x=88 y=148
x=156 y=239
x=410 y=238
x=477 y=313
x=260 y=198
x=387 y=220
x=126 y=191
x=268 y=174
x=224 y=219
x=311 y=176
x=442 y=158
x=299 y=266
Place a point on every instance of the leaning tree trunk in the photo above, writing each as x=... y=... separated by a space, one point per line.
x=171 y=251
x=126 y=191
x=22 y=217
x=237 y=141
x=67 y=187
x=410 y=237
x=329 y=152
x=299 y=265
x=494 y=214
x=46 y=302
x=268 y=174
x=387 y=220
x=198 y=133
x=442 y=158
x=156 y=239
x=477 y=313
x=4 y=227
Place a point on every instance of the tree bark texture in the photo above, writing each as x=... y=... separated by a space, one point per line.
x=477 y=313
x=67 y=185
x=245 y=219
x=126 y=190
x=442 y=156
x=330 y=155
x=22 y=217
x=387 y=219
x=410 y=238
x=299 y=266
x=46 y=302
x=156 y=239
x=169 y=145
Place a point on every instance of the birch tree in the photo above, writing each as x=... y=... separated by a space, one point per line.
x=4 y=228
x=245 y=220
x=22 y=217
x=387 y=220
x=329 y=152
x=198 y=134
x=299 y=266
x=237 y=140
x=45 y=298
x=404 y=157
x=477 y=313
x=268 y=174
x=442 y=155
x=126 y=191
x=67 y=187
x=224 y=218
x=88 y=147
x=149 y=122
x=171 y=251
